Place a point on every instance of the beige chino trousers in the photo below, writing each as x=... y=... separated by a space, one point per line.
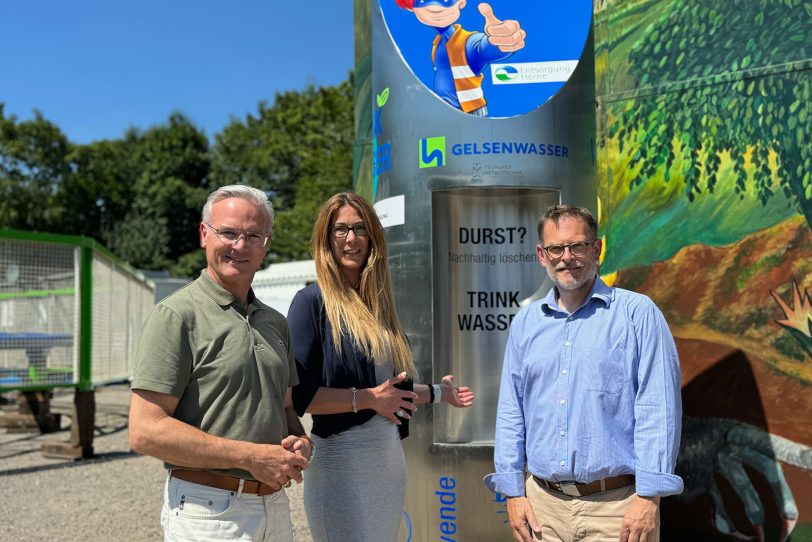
x=594 y=518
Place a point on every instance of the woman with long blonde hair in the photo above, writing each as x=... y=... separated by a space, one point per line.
x=356 y=379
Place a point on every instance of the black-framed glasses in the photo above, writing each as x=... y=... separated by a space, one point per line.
x=342 y=231
x=229 y=236
x=576 y=249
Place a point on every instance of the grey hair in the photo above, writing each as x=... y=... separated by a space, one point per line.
x=555 y=213
x=257 y=197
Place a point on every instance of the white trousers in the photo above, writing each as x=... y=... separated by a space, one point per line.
x=201 y=513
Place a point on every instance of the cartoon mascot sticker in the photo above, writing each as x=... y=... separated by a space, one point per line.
x=459 y=55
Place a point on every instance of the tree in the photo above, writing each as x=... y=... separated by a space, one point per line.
x=32 y=165
x=735 y=88
x=99 y=192
x=141 y=195
x=299 y=150
x=141 y=240
x=294 y=226
x=173 y=182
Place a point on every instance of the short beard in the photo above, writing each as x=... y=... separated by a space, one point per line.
x=590 y=270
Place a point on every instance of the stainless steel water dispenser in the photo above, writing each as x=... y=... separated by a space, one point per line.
x=460 y=196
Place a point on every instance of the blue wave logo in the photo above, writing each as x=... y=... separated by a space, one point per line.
x=506 y=73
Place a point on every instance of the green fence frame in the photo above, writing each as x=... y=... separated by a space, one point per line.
x=87 y=248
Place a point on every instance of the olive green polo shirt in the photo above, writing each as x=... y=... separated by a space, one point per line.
x=230 y=366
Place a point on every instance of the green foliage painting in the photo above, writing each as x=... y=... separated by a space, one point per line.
x=707 y=100
x=741 y=84
x=705 y=124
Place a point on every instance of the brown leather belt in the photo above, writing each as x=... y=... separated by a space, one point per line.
x=574 y=489
x=220 y=481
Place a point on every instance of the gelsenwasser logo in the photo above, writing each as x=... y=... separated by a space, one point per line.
x=432 y=152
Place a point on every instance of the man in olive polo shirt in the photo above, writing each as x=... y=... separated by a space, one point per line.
x=212 y=388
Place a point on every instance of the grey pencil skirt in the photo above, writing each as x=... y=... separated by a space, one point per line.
x=354 y=490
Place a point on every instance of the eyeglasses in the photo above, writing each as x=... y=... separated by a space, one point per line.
x=343 y=231
x=230 y=236
x=576 y=249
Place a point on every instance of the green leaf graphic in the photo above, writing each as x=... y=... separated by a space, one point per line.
x=383 y=97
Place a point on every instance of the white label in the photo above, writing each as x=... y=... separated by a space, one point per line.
x=522 y=73
x=391 y=211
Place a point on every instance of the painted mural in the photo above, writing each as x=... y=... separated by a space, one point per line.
x=500 y=58
x=705 y=186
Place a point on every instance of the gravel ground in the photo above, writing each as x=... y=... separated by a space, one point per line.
x=116 y=496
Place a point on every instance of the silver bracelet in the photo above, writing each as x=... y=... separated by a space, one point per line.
x=312 y=447
x=438 y=394
x=354 y=391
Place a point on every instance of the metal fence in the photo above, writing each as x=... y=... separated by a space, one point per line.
x=70 y=312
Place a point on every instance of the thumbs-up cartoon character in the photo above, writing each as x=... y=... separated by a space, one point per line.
x=459 y=56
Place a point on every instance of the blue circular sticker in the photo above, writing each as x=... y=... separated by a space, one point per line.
x=500 y=58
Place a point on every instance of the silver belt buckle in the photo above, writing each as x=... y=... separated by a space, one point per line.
x=569 y=489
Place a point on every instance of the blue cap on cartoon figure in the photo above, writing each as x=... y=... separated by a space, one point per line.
x=444 y=3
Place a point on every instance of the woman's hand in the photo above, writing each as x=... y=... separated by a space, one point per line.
x=460 y=397
x=386 y=399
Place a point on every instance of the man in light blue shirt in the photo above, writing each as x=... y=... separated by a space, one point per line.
x=589 y=403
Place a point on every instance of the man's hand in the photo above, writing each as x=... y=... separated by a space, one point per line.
x=640 y=520
x=507 y=36
x=275 y=465
x=523 y=521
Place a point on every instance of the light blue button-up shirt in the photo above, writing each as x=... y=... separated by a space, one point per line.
x=589 y=395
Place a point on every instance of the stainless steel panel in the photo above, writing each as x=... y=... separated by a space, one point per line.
x=485 y=269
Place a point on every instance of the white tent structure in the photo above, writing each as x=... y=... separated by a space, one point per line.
x=276 y=285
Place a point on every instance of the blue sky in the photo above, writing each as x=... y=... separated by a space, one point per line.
x=96 y=67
